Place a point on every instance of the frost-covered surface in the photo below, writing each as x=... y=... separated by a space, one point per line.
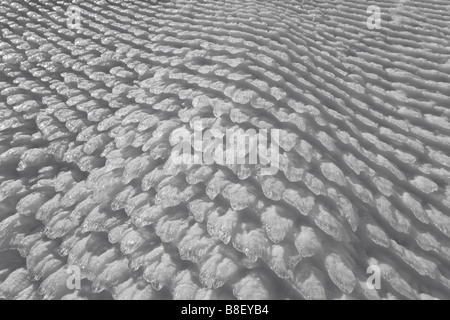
x=86 y=121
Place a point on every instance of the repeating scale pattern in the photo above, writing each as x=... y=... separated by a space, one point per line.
x=88 y=118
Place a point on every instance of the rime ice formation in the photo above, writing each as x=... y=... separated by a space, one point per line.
x=88 y=119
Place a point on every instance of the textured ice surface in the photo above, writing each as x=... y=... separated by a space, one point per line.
x=88 y=119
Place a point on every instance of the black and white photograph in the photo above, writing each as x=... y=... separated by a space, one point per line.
x=235 y=151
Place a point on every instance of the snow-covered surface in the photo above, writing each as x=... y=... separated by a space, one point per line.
x=86 y=118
